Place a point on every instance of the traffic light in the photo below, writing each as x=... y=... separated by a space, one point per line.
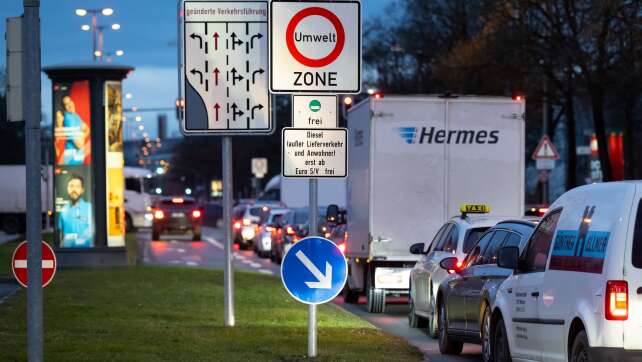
x=346 y=104
x=180 y=106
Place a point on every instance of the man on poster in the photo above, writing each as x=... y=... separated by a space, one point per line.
x=74 y=221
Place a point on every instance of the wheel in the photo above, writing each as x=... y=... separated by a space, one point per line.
x=197 y=237
x=155 y=235
x=502 y=349
x=447 y=345
x=487 y=350
x=432 y=324
x=350 y=296
x=11 y=224
x=580 y=349
x=376 y=297
x=129 y=224
x=414 y=320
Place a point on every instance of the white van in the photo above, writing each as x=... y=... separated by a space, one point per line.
x=576 y=294
x=138 y=203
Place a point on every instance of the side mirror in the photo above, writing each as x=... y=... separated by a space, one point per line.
x=417 y=248
x=332 y=213
x=508 y=257
x=450 y=264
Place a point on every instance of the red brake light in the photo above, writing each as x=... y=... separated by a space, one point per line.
x=542 y=210
x=269 y=229
x=342 y=248
x=237 y=225
x=289 y=230
x=616 y=300
x=196 y=214
x=177 y=200
x=159 y=214
x=247 y=221
x=459 y=264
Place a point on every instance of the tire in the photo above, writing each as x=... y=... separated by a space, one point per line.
x=376 y=297
x=414 y=321
x=11 y=224
x=197 y=237
x=487 y=341
x=129 y=224
x=500 y=342
x=272 y=257
x=155 y=236
x=580 y=349
x=350 y=296
x=432 y=324
x=447 y=345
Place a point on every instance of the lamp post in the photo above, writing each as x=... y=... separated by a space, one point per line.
x=97 y=30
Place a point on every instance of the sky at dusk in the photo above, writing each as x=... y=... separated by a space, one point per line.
x=147 y=36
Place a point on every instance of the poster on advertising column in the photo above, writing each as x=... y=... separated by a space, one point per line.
x=73 y=159
x=115 y=163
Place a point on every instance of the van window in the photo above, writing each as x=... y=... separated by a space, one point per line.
x=637 y=239
x=481 y=245
x=489 y=256
x=540 y=243
x=472 y=237
x=132 y=184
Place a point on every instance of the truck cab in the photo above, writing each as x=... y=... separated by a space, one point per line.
x=138 y=203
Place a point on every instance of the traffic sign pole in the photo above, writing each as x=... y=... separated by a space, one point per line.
x=31 y=96
x=314 y=227
x=227 y=222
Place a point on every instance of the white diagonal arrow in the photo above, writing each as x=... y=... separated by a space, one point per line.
x=324 y=281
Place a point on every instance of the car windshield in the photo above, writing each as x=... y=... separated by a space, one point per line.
x=472 y=236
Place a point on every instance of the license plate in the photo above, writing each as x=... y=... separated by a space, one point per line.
x=178 y=214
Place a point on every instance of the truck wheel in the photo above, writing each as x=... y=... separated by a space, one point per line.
x=376 y=297
x=129 y=224
x=447 y=345
x=580 y=350
x=11 y=224
x=350 y=296
x=196 y=237
x=155 y=236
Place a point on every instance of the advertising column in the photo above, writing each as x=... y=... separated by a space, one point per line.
x=114 y=163
x=73 y=160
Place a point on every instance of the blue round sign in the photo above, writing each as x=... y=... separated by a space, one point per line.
x=314 y=270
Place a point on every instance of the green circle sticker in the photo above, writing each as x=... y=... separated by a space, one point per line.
x=315 y=105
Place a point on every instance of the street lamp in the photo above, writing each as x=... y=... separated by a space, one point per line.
x=97 y=30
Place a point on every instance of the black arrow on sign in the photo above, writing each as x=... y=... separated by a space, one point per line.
x=235 y=41
x=200 y=75
x=235 y=112
x=216 y=71
x=256 y=36
x=217 y=107
x=235 y=78
x=259 y=107
x=215 y=41
x=200 y=40
x=260 y=71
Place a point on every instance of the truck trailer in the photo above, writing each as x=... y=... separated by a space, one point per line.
x=413 y=161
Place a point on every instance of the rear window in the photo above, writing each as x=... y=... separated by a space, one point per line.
x=637 y=239
x=472 y=237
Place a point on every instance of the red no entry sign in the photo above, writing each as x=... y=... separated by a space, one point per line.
x=19 y=264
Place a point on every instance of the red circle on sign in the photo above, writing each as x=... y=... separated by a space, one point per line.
x=19 y=264
x=311 y=62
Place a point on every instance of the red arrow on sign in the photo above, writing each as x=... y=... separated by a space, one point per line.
x=19 y=264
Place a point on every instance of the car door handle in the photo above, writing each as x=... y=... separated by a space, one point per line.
x=640 y=290
x=535 y=294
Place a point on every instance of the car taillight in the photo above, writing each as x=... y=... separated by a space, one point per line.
x=542 y=211
x=327 y=235
x=247 y=222
x=342 y=248
x=159 y=214
x=289 y=230
x=616 y=300
x=237 y=225
x=269 y=229
x=196 y=214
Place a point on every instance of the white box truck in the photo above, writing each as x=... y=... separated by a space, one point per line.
x=295 y=192
x=13 y=196
x=413 y=161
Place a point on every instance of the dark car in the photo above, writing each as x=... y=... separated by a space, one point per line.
x=177 y=215
x=465 y=299
x=295 y=228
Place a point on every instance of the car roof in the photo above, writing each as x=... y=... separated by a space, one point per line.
x=471 y=221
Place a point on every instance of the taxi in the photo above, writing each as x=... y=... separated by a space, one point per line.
x=576 y=290
x=454 y=239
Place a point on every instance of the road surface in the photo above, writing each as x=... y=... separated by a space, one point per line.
x=209 y=253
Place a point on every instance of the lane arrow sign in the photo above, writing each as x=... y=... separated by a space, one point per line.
x=200 y=40
x=216 y=71
x=324 y=280
x=215 y=41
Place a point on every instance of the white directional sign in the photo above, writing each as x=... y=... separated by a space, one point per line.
x=315 y=47
x=259 y=167
x=315 y=111
x=225 y=58
x=314 y=153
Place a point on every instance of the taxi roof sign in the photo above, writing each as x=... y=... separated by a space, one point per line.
x=474 y=209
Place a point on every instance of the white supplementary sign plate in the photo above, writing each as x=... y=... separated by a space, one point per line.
x=225 y=58
x=315 y=47
x=314 y=111
x=314 y=153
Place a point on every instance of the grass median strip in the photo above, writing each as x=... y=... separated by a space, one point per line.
x=162 y=313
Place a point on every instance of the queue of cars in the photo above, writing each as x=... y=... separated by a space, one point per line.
x=566 y=288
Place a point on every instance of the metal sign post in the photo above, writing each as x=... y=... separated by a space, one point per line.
x=227 y=225
x=314 y=227
x=31 y=96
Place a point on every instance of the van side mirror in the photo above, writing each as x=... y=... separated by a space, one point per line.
x=332 y=213
x=508 y=257
x=450 y=264
x=417 y=248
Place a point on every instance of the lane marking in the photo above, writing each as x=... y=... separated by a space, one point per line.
x=191 y=263
x=265 y=271
x=246 y=261
x=180 y=250
x=255 y=265
x=214 y=242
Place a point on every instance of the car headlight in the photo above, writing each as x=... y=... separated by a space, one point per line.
x=149 y=216
x=248 y=233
